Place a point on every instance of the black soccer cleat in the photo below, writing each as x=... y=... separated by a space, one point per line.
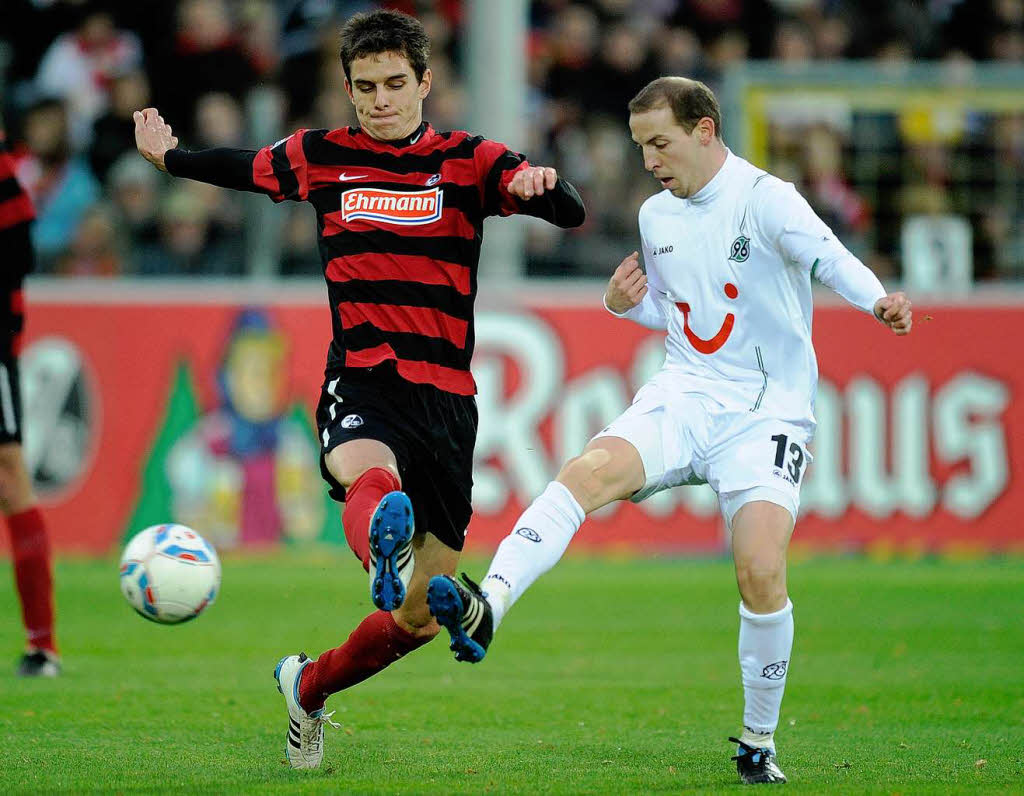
x=464 y=613
x=38 y=663
x=757 y=766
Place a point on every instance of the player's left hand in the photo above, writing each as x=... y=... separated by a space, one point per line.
x=532 y=181
x=894 y=311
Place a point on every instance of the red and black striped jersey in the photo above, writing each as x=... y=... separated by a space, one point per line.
x=15 y=205
x=16 y=212
x=400 y=226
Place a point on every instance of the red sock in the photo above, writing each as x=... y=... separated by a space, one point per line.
x=360 y=500
x=30 y=548
x=374 y=645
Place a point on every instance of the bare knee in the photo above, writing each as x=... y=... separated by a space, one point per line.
x=598 y=477
x=350 y=460
x=762 y=581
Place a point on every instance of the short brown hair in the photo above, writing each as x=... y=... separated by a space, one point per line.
x=690 y=101
x=385 y=31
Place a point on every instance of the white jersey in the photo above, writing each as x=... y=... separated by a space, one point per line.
x=729 y=273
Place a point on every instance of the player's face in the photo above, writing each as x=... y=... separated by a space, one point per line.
x=673 y=156
x=387 y=97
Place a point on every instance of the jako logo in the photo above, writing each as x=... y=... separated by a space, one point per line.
x=351 y=421
x=392 y=207
x=528 y=533
x=775 y=671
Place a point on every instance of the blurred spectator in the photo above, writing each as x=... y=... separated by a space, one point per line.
x=185 y=244
x=61 y=185
x=81 y=66
x=113 y=133
x=134 y=190
x=208 y=54
x=93 y=250
x=864 y=168
x=219 y=121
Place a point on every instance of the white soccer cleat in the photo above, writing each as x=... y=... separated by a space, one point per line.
x=304 y=746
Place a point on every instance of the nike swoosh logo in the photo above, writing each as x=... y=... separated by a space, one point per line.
x=346 y=177
x=414 y=140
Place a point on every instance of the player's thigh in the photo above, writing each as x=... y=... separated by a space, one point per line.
x=351 y=459
x=761 y=530
x=610 y=468
x=655 y=449
x=433 y=557
x=359 y=422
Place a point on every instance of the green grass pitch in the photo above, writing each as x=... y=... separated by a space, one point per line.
x=610 y=676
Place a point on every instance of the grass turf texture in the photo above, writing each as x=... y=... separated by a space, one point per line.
x=608 y=677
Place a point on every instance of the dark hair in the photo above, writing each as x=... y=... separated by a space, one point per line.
x=385 y=31
x=690 y=101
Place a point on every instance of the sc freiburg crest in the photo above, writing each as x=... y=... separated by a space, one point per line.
x=740 y=249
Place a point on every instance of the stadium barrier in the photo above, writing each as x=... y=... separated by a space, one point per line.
x=152 y=403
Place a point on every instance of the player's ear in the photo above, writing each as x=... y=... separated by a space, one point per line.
x=348 y=90
x=424 y=87
x=707 y=130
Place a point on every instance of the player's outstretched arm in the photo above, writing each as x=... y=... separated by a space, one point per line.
x=543 y=194
x=894 y=311
x=238 y=169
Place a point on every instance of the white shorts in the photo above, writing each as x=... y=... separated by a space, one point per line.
x=690 y=438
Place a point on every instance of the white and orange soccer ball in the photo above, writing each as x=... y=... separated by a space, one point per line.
x=169 y=573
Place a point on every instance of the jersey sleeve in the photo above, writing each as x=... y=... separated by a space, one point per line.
x=804 y=241
x=496 y=166
x=280 y=171
x=16 y=213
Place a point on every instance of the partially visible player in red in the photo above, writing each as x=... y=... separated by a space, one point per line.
x=30 y=545
x=400 y=210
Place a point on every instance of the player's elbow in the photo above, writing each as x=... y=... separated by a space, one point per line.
x=573 y=217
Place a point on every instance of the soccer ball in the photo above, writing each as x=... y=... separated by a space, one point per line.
x=169 y=573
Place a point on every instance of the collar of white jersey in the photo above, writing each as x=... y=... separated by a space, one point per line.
x=716 y=183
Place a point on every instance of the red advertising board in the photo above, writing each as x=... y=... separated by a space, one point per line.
x=130 y=415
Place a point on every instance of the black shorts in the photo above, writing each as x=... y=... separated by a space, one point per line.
x=431 y=433
x=12 y=321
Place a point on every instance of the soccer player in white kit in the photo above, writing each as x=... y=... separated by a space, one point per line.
x=729 y=252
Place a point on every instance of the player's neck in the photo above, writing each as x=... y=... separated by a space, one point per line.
x=716 y=159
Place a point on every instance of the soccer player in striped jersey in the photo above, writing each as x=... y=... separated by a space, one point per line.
x=30 y=544
x=400 y=210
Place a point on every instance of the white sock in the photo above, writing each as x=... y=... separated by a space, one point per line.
x=539 y=538
x=766 y=641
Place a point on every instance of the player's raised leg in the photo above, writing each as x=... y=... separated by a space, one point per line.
x=380 y=639
x=609 y=468
x=378 y=516
x=760 y=536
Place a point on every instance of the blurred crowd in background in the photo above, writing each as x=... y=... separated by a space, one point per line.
x=72 y=73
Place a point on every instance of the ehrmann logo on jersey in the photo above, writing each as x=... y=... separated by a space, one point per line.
x=740 y=249
x=392 y=207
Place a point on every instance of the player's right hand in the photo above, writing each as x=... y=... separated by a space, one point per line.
x=153 y=136
x=627 y=287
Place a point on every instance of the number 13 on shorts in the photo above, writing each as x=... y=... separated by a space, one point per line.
x=790 y=457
